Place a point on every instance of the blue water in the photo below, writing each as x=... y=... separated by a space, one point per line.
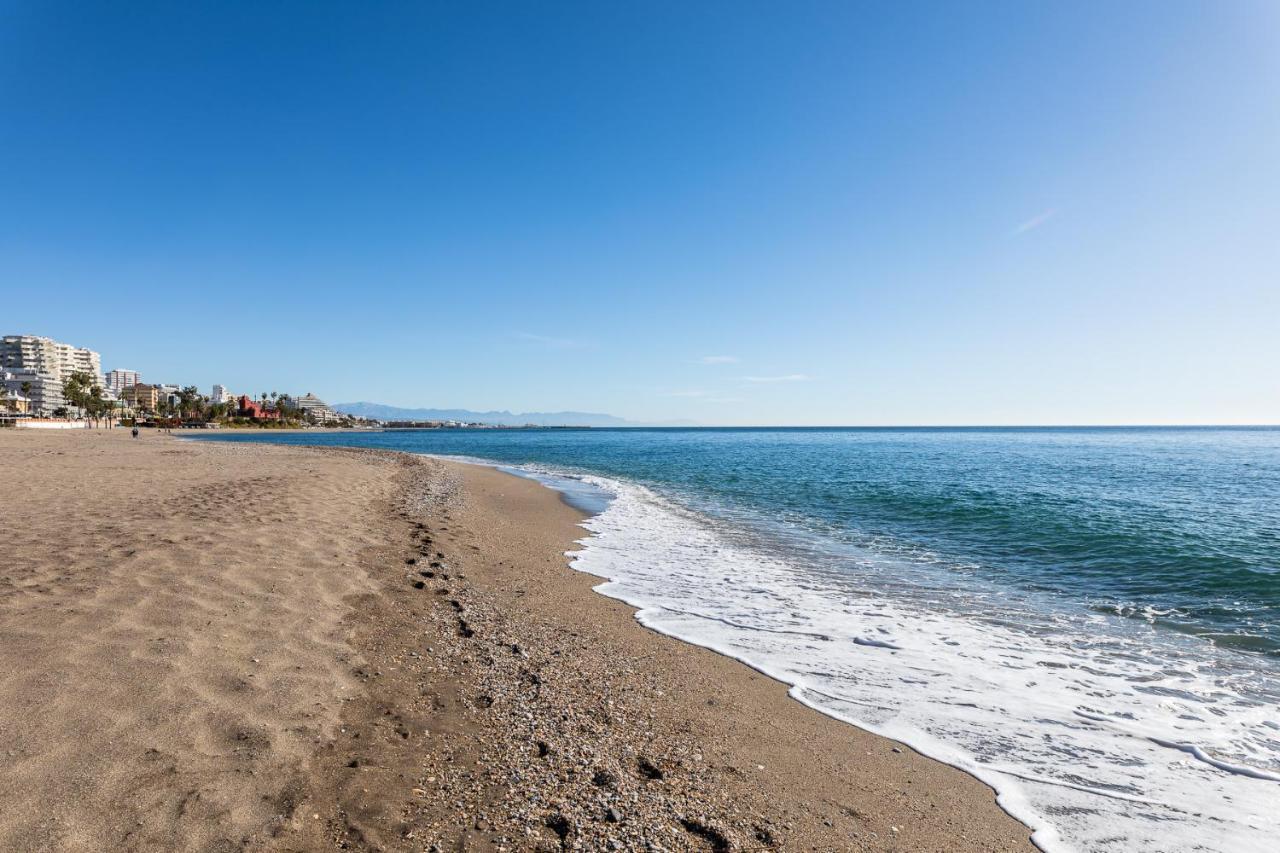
x=1145 y=562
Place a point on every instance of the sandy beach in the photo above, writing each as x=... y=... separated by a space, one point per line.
x=212 y=646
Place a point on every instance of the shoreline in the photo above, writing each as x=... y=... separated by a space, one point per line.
x=1011 y=801
x=499 y=703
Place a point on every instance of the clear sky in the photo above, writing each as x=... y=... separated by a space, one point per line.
x=1021 y=212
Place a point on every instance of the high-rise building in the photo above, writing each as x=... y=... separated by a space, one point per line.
x=221 y=395
x=43 y=365
x=118 y=380
x=50 y=357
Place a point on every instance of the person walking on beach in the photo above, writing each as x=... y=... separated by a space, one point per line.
x=135 y=432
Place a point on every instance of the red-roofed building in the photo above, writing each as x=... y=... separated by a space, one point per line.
x=257 y=411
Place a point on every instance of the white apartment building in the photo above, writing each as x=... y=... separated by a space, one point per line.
x=43 y=392
x=118 y=380
x=169 y=393
x=221 y=395
x=45 y=355
x=316 y=409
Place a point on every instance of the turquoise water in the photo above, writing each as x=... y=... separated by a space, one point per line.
x=1127 y=579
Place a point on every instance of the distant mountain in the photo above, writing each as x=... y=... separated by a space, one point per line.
x=380 y=412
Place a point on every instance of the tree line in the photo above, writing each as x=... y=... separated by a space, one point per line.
x=82 y=393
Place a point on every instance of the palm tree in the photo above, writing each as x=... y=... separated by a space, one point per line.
x=77 y=389
x=93 y=404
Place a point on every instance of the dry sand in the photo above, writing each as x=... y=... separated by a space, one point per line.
x=209 y=646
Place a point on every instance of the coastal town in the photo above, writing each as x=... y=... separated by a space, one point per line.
x=48 y=384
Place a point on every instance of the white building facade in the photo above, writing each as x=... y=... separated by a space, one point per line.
x=118 y=380
x=42 y=365
x=169 y=393
x=221 y=395
x=45 y=355
x=316 y=409
x=43 y=392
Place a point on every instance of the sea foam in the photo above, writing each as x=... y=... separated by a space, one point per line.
x=1097 y=732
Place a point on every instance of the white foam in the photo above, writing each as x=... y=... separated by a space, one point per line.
x=1097 y=734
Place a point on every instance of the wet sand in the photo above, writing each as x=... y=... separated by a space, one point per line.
x=211 y=646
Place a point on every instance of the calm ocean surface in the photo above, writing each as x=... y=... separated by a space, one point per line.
x=1088 y=619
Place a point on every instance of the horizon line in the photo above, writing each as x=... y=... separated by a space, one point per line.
x=641 y=425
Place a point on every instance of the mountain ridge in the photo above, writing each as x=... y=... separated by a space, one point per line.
x=383 y=412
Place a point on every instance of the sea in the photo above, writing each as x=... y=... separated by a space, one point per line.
x=1087 y=619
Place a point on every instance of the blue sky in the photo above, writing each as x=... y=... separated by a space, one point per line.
x=727 y=212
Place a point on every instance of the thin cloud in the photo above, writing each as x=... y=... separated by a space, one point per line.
x=719 y=359
x=790 y=377
x=552 y=343
x=1035 y=221
x=685 y=394
x=725 y=400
